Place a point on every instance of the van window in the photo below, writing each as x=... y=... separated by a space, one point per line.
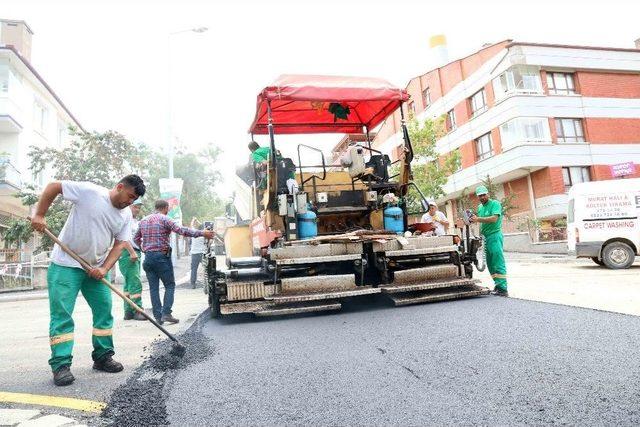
x=570 y=213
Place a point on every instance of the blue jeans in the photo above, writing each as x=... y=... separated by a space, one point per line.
x=158 y=266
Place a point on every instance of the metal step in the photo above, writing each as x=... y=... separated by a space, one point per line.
x=318 y=296
x=269 y=308
x=424 y=274
x=307 y=308
x=434 y=295
x=436 y=284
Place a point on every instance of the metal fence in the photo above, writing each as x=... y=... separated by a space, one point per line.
x=18 y=276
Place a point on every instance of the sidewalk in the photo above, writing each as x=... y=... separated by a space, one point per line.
x=25 y=341
x=182 y=272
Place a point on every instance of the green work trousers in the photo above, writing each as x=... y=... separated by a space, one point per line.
x=495 y=260
x=64 y=283
x=132 y=284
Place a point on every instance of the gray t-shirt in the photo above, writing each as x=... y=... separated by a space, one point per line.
x=197 y=246
x=92 y=224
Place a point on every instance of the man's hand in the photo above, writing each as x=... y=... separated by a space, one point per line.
x=208 y=234
x=38 y=223
x=98 y=273
x=133 y=258
x=473 y=219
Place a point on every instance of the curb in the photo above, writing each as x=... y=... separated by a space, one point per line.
x=18 y=296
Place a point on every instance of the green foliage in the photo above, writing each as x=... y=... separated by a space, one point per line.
x=104 y=158
x=468 y=200
x=101 y=158
x=200 y=175
x=429 y=173
x=17 y=233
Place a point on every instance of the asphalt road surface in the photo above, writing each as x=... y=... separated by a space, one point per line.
x=488 y=360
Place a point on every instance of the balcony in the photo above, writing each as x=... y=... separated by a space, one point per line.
x=9 y=175
x=9 y=116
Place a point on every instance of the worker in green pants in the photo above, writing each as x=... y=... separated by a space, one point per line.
x=490 y=219
x=129 y=264
x=97 y=230
x=62 y=299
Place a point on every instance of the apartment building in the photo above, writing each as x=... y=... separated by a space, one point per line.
x=535 y=118
x=31 y=114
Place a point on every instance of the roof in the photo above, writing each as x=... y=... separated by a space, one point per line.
x=17 y=21
x=44 y=83
x=308 y=103
x=569 y=46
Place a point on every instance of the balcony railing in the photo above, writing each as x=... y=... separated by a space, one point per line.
x=9 y=174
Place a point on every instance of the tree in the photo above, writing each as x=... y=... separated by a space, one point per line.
x=430 y=171
x=103 y=158
x=199 y=174
x=467 y=202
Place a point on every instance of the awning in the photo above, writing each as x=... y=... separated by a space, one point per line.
x=326 y=104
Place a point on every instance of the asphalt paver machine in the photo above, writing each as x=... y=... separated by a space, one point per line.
x=324 y=232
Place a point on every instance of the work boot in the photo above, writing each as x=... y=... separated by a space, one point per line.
x=169 y=318
x=128 y=315
x=63 y=376
x=500 y=293
x=107 y=364
x=139 y=316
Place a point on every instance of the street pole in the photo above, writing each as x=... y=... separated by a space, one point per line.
x=170 y=148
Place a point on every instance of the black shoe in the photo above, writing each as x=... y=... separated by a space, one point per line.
x=169 y=318
x=139 y=316
x=128 y=315
x=500 y=293
x=159 y=321
x=63 y=376
x=107 y=364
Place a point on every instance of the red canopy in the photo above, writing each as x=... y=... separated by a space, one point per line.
x=302 y=104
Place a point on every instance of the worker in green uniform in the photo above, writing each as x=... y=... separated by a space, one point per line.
x=260 y=158
x=129 y=264
x=97 y=229
x=490 y=219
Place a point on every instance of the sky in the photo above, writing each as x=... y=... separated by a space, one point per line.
x=108 y=60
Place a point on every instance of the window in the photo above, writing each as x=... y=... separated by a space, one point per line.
x=569 y=130
x=39 y=117
x=478 y=102
x=451 y=121
x=560 y=84
x=398 y=152
x=426 y=97
x=524 y=129
x=575 y=175
x=62 y=133
x=519 y=79
x=484 y=148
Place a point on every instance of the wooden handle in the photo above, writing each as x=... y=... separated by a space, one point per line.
x=117 y=291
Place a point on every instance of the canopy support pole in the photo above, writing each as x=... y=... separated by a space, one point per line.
x=366 y=129
x=405 y=136
x=273 y=170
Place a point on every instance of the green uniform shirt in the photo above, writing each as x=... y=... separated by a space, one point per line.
x=261 y=155
x=492 y=207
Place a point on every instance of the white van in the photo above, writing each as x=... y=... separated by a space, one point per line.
x=602 y=221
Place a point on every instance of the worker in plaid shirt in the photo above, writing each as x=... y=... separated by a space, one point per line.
x=154 y=232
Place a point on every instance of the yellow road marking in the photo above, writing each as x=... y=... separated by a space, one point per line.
x=61 y=402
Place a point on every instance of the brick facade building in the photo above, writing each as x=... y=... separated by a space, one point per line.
x=535 y=118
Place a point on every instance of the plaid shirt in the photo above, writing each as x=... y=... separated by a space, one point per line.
x=154 y=231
